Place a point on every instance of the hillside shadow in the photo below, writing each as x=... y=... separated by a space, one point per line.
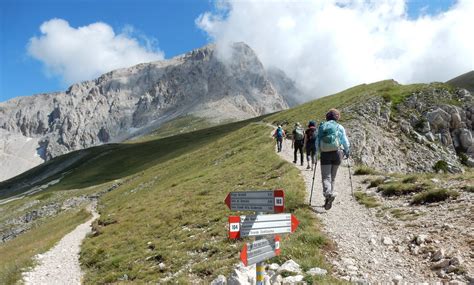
x=109 y=162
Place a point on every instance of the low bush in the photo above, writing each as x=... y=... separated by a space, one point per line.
x=434 y=195
x=441 y=166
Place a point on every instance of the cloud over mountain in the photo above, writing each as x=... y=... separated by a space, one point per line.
x=82 y=53
x=330 y=45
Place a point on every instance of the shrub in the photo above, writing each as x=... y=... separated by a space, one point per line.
x=398 y=189
x=434 y=195
x=463 y=158
x=441 y=165
x=364 y=170
x=387 y=97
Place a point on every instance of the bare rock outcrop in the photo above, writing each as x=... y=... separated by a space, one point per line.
x=432 y=125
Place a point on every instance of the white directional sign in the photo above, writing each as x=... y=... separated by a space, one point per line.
x=259 y=225
x=260 y=250
x=261 y=201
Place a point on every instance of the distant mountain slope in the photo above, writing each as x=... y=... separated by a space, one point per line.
x=136 y=100
x=465 y=81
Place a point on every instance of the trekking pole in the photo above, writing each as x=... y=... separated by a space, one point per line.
x=312 y=185
x=350 y=176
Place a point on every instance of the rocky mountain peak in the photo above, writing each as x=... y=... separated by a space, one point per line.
x=131 y=101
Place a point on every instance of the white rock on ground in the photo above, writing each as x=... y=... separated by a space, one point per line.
x=220 y=280
x=60 y=265
x=273 y=266
x=290 y=266
x=316 y=271
x=292 y=279
x=242 y=275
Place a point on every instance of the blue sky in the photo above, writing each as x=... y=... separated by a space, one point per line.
x=170 y=25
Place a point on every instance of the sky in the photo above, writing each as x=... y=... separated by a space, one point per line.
x=323 y=45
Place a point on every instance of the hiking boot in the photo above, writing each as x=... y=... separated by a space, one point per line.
x=308 y=167
x=328 y=202
x=302 y=164
x=294 y=161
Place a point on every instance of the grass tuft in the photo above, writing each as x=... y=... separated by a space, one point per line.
x=468 y=188
x=364 y=170
x=434 y=195
x=366 y=200
x=410 y=179
x=376 y=182
x=398 y=189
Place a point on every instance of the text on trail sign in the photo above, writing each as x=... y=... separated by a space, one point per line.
x=260 y=250
x=258 y=225
x=261 y=201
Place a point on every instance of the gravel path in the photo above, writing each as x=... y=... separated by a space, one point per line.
x=60 y=265
x=361 y=254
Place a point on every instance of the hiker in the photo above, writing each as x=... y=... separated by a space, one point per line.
x=310 y=136
x=297 y=142
x=333 y=146
x=279 y=135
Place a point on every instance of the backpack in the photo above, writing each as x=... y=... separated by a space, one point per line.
x=312 y=135
x=329 y=134
x=299 y=134
x=279 y=133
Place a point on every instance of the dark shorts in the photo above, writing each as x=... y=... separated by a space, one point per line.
x=331 y=157
x=299 y=143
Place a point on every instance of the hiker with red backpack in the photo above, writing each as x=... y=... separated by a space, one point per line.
x=298 y=142
x=333 y=146
x=279 y=134
x=310 y=137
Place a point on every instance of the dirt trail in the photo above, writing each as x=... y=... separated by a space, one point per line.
x=361 y=253
x=60 y=265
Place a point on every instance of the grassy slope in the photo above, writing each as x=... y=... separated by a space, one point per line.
x=465 y=80
x=114 y=161
x=180 y=125
x=177 y=205
x=17 y=254
x=316 y=109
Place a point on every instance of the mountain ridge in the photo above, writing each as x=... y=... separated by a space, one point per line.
x=131 y=101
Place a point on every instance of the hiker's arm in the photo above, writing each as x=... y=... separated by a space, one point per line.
x=344 y=141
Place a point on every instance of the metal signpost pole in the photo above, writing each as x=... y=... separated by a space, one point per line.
x=260 y=266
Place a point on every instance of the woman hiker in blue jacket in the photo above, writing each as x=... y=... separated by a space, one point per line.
x=333 y=145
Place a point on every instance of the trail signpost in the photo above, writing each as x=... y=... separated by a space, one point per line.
x=260 y=201
x=272 y=201
x=259 y=225
x=260 y=250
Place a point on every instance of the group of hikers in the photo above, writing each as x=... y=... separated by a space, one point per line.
x=329 y=139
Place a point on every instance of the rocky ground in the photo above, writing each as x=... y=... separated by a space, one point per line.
x=60 y=265
x=374 y=246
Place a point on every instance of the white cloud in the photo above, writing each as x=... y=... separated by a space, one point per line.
x=329 y=45
x=82 y=53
